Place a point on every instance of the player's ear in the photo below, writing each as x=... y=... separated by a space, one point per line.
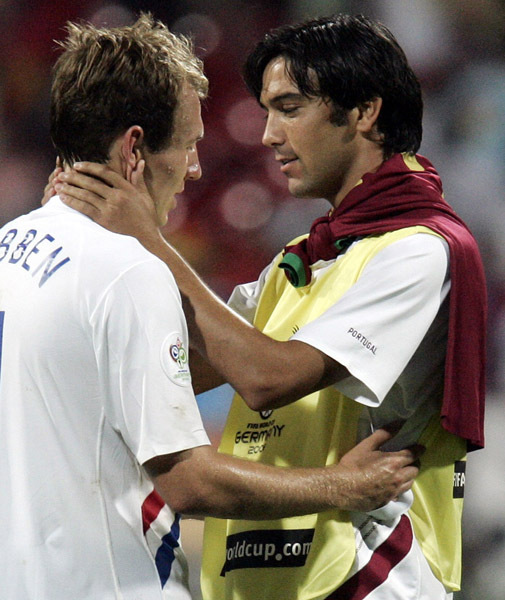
x=131 y=149
x=368 y=114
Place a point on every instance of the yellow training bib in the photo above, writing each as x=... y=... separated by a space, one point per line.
x=308 y=557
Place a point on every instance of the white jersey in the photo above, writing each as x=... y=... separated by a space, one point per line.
x=94 y=381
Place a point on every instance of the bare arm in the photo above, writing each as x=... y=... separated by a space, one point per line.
x=267 y=373
x=203 y=376
x=202 y=482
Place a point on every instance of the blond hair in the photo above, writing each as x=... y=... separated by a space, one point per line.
x=107 y=80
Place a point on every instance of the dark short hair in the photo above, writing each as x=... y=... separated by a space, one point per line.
x=353 y=60
x=107 y=80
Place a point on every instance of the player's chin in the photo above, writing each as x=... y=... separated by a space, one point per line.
x=299 y=189
x=165 y=215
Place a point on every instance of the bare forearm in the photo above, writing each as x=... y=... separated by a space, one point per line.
x=233 y=488
x=202 y=482
x=258 y=367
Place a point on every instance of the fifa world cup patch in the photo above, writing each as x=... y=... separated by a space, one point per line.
x=174 y=359
x=458 y=490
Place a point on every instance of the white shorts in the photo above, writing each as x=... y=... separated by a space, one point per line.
x=396 y=570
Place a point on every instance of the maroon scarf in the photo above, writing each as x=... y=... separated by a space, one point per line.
x=394 y=197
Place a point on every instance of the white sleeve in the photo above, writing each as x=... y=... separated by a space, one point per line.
x=377 y=325
x=245 y=297
x=141 y=343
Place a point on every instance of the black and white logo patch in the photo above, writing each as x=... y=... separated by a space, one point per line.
x=267 y=548
x=458 y=490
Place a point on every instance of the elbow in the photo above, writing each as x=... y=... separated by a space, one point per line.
x=187 y=504
x=206 y=501
x=189 y=499
x=182 y=480
x=262 y=395
x=268 y=384
x=259 y=402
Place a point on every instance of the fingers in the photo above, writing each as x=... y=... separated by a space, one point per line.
x=54 y=174
x=405 y=477
x=109 y=199
x=67 y=190
x=97 y=179
x=410 y=455
x=409 y=475
x=70 y=181
x=50 y=190
x=372 y=446
x=377 y=439
x=382 y=435
x=138 y=174
x=394 y=426
x=80 y=199
x=103 y=172
x=376 y=477
x=392 y=484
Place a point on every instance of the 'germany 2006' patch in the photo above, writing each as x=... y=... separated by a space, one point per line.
x=174 y=359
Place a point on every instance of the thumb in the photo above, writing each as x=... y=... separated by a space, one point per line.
x=375 y=440
x=394 y=426
x=384 y=434
x=137 y=176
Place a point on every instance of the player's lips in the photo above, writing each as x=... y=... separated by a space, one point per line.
x=286 y=162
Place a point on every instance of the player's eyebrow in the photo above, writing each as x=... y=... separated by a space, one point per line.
x=283 y=98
